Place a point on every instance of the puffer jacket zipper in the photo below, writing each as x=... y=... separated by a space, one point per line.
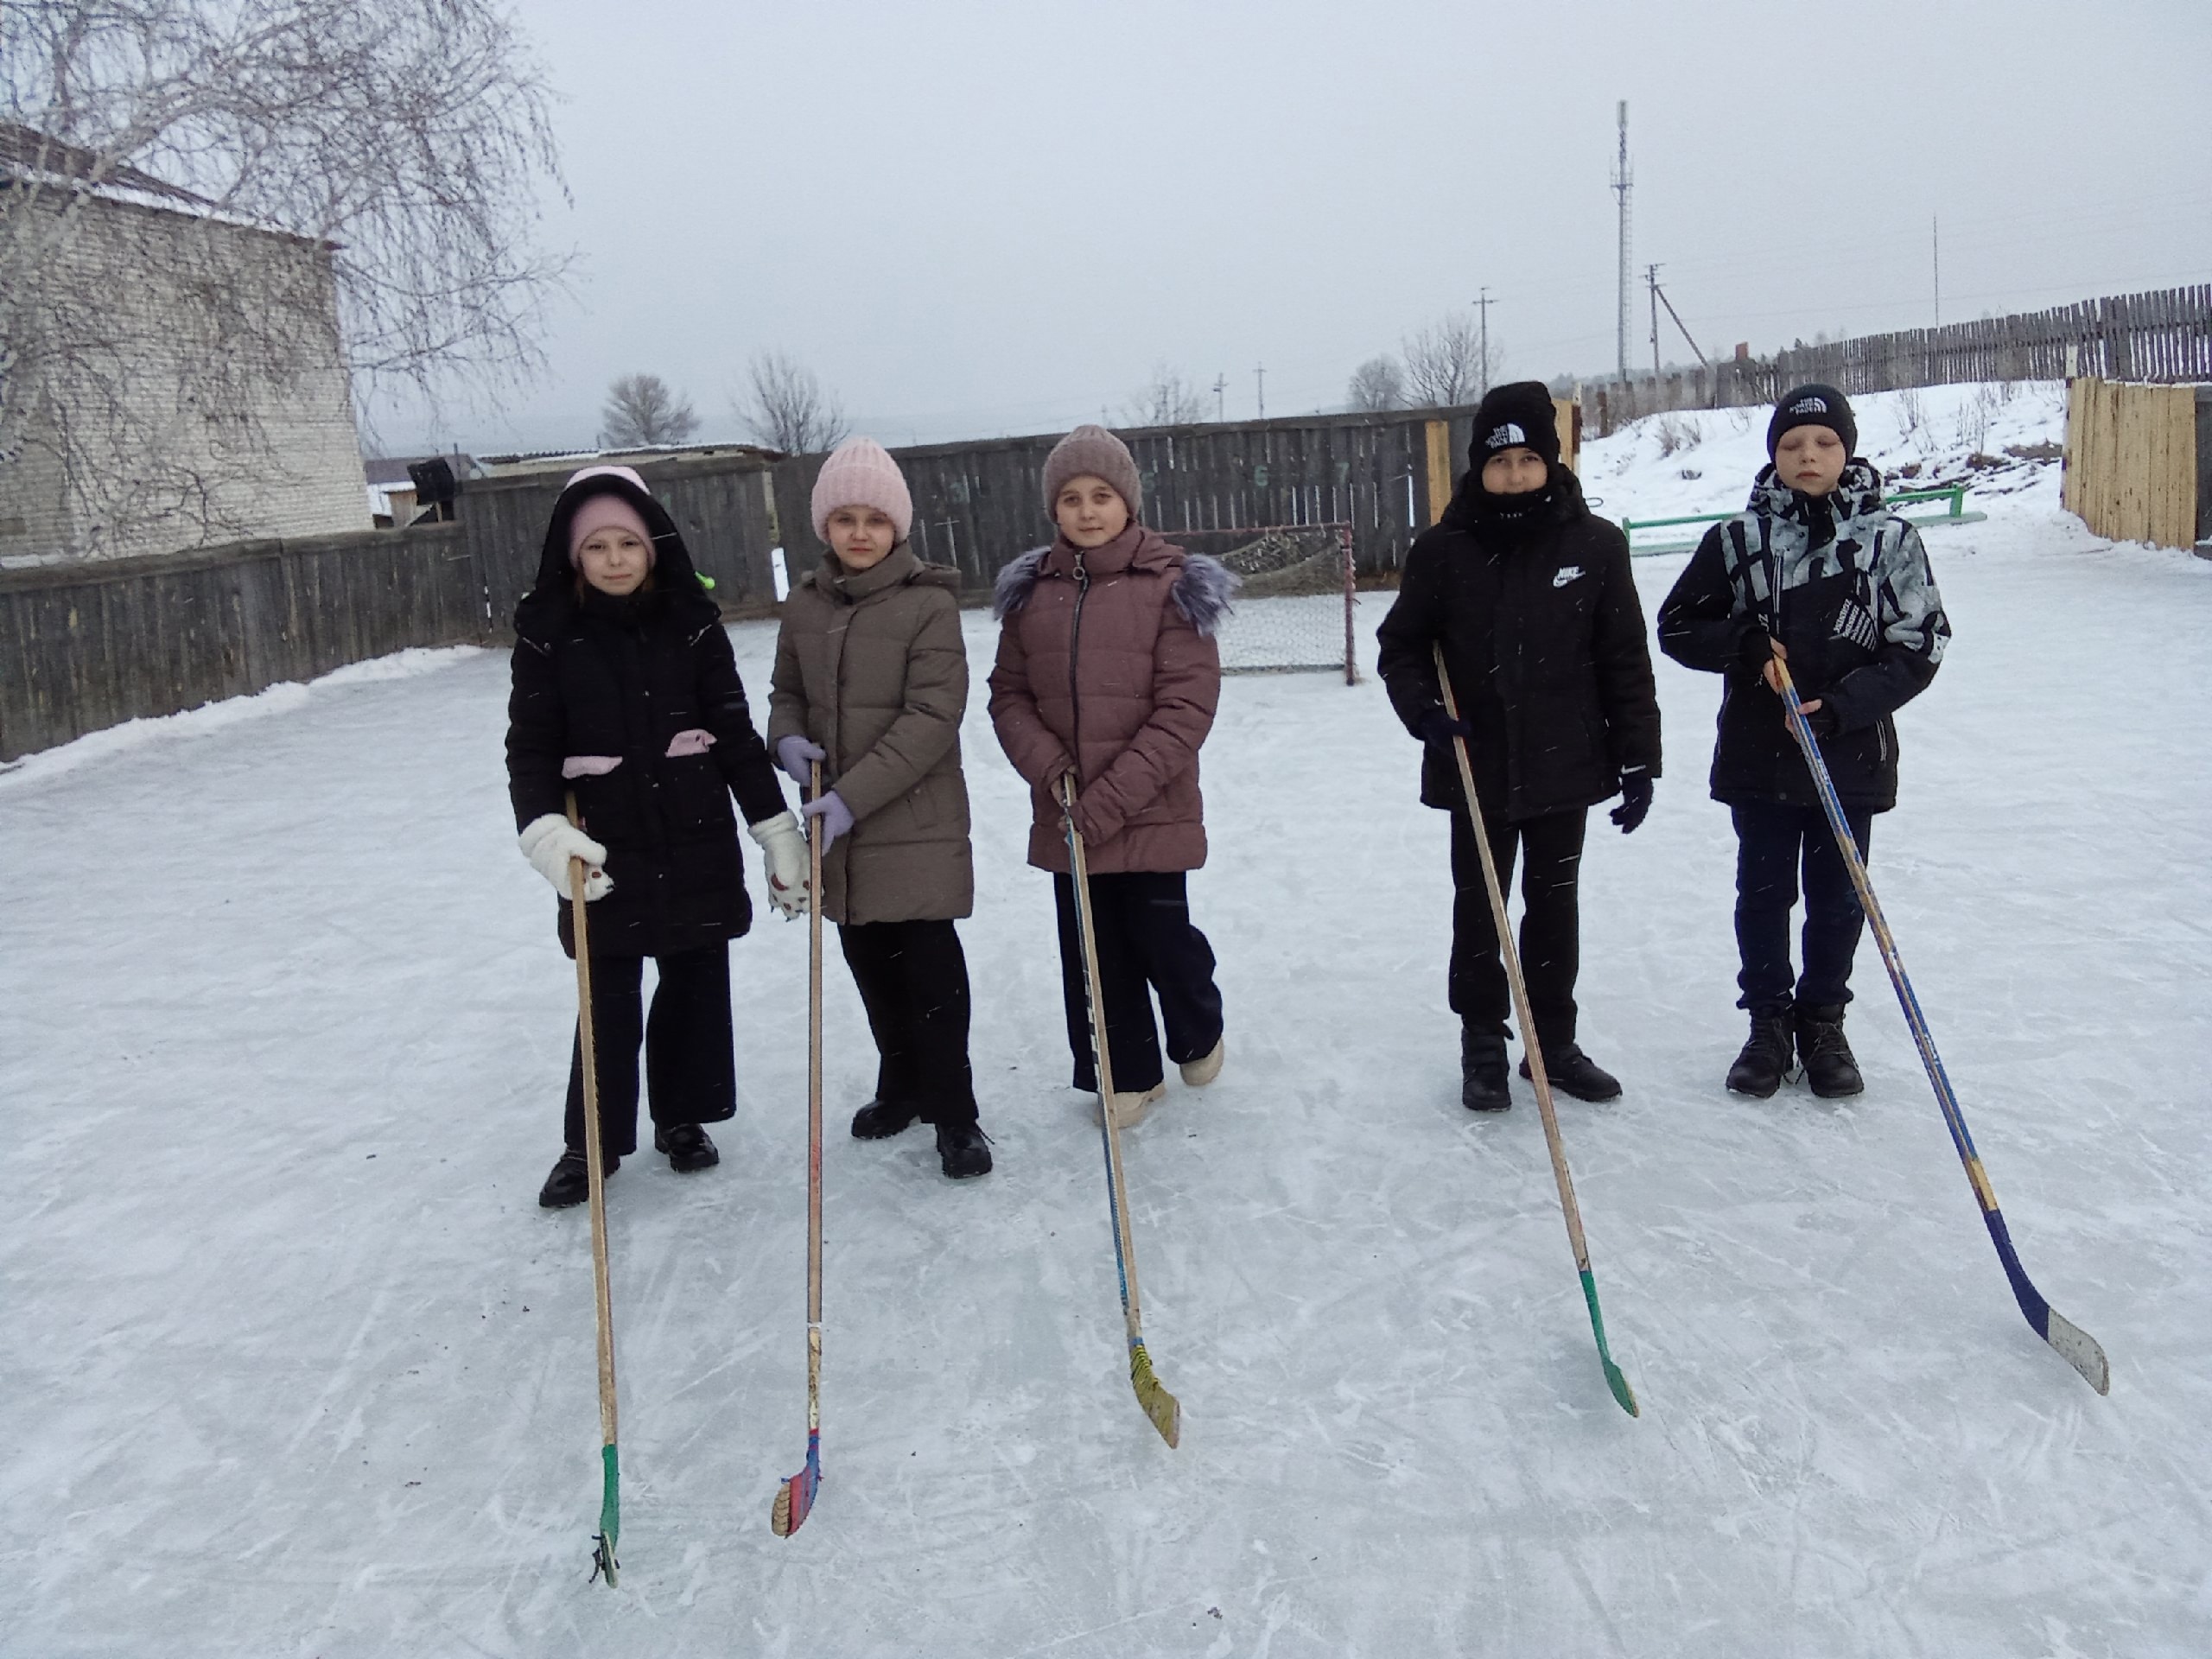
x=1075 y=645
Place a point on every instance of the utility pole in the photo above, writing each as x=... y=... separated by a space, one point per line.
x=1651 y=276
x=1622 y=180
x=1484 y=301
x=1935 y=251
x=1661 y=291
x=1261 y=371
x=1221 y=397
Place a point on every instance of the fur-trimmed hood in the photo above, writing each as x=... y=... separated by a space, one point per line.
x=1204 y=590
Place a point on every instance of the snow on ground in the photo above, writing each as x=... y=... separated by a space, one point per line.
x=295 y=1365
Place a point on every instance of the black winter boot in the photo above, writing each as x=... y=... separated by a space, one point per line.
x=880 y=1119
x=1573 y=1072
x=1482 y=1087
x=571 y=1182
x=1830 y=1067
x=963 y=1150
x=1765 y=1060
x=687 y=1147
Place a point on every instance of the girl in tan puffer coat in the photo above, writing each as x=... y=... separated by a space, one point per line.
x=871 y=679
x=1108 y=670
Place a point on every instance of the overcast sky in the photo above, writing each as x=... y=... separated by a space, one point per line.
x=971 y=220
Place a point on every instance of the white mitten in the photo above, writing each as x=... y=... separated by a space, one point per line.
x=785 y=851
x=549 y=842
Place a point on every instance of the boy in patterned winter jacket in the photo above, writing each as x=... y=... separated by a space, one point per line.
x=1817 y=572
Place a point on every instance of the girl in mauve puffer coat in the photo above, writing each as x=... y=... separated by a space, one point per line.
x=1108 y=672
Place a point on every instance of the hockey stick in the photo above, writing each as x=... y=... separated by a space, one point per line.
x=610 y=1496
x=2075 y=1345
x=795 y=1497
x=1534 y=1050
x=1161 y=1408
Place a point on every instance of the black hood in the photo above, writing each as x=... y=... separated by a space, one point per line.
x=1465 y=513
x=551 y=602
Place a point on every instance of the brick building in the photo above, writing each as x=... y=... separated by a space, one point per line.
x=170 y=376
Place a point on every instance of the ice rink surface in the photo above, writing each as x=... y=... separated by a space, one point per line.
x=294 y=1364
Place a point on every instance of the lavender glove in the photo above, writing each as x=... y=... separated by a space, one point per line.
x=792 y=753
x=836 y=816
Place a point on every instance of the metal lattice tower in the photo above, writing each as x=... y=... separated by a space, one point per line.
x=1623 y=181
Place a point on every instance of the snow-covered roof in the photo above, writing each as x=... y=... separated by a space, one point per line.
x=37 y=159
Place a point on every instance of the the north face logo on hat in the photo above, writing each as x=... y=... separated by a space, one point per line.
x=1809 y=406
x=1506 y=436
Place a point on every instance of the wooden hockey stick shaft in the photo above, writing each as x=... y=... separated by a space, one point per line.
x=610 y=1508
x=794 y=1499
x=1532 y=1048
x=1160 y=1408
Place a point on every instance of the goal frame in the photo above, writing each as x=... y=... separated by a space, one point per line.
x=1253 y=532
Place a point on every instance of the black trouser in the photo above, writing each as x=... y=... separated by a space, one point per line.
x=690 y=1072
x=913 y=981
x=1551 y=922
x=1145 y=943
x=1772 y=841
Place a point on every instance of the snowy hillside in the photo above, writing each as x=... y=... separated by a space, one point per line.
x=2001 y=439
x=294 y=1364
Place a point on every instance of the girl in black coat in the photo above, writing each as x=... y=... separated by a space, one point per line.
x=1531 y=599
x=625 y=694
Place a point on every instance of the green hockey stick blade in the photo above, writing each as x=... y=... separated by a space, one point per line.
x=1164 y=1410
x=1614 y=1379
x=610 y=1518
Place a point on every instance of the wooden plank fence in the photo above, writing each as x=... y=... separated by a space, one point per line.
x=2163 y=337
x=86 y=647
x=2133 y=462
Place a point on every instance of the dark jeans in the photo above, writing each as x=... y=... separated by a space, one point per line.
x=1145 y=943
x=1773 y=842
x=691 y=1071
x=913 y=981
x=1551 y=922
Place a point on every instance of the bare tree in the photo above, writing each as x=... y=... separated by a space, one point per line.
x=1377 y=385
x=1165 y=400
x=642 y=412
x=788 y=410
x=1445 y=364
x=396 y=148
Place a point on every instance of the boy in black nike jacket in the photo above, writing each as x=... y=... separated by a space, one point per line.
x=1530 y=597
x=1816 y=571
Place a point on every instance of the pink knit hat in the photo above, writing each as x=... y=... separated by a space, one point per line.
x=1094 y=451
x=605 y=510
x=860 y=473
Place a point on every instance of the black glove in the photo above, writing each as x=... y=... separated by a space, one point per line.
x=1757 y=648
x=1636 y=798
x=1436 y=727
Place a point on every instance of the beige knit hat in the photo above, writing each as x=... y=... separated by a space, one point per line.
x=1094 y=450
x=860 y=473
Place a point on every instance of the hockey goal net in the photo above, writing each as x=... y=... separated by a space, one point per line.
x=1294 y=609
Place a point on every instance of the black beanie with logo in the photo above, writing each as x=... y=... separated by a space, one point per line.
x=1813 y=405
x=1518 y=416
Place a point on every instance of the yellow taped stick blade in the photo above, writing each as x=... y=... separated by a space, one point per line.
x=1164 y=1410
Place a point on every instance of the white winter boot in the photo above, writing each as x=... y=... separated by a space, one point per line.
x=1132 y=1106
x=1202 y=1070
